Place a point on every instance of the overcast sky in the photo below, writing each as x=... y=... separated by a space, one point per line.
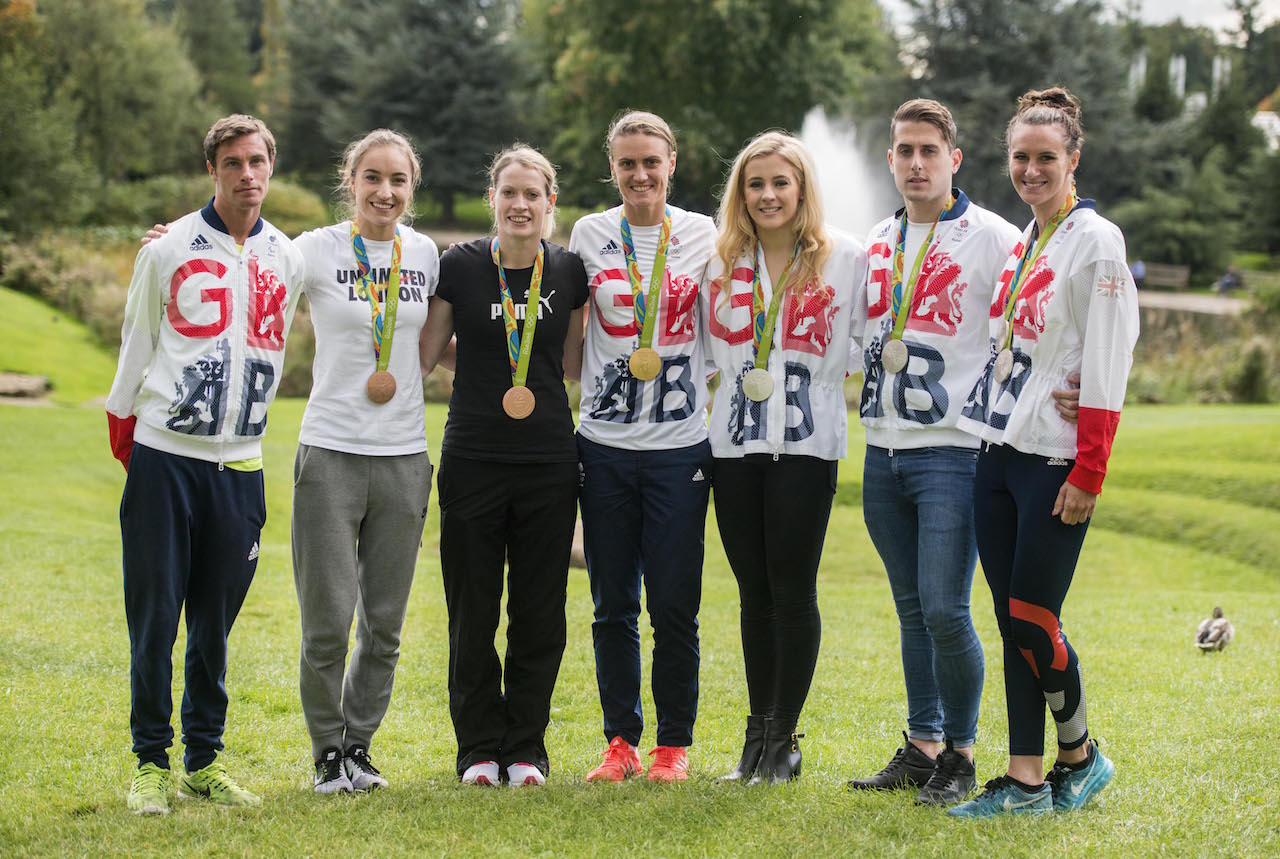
x=1209 y=13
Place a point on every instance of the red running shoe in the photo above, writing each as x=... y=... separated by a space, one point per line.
x=671 y=763
x=620 y=760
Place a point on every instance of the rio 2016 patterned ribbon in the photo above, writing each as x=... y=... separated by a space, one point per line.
x=1028 y=261
x=640 y=301
x=899 y=299
x=764 y=321
x=384 y=325
x=381 y=386
x=519 y=348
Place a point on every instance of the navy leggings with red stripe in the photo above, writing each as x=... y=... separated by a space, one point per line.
x=1029 y=558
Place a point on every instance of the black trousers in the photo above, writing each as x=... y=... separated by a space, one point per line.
x=1029 y=558
x=523 y=515
x=772 y=515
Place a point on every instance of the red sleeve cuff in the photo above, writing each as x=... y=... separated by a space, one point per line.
x=120 y=431
x=1083 y=478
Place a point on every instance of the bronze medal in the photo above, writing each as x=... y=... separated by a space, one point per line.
x=381 y=387
x=645 y=364
x=1004 y=365
x=894 y=356
x=517 y=402
x=757 y=385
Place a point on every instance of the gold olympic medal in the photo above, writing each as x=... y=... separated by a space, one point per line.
x=757 y=385
x=1004 y=365
x=894 y=356
x=517 y=402
x=381 y=387
x=645 y=364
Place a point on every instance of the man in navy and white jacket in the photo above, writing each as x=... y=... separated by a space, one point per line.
x=201 y=356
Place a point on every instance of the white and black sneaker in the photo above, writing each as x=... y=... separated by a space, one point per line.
x=363 y=774
x=330 y=775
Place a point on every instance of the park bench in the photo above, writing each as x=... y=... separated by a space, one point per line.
x=1161 y=274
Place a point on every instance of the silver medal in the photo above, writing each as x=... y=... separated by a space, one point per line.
x=757 y=385
x=1004 y=365
x=894 y=356
x=1002 y=333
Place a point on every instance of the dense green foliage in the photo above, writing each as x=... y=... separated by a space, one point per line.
x=1186 y=522
x=728 y=71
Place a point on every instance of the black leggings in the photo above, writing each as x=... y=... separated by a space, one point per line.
x=772 y=515
x=1029 y=558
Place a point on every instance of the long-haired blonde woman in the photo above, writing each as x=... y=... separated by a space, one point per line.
x=778 y=304
x=508 y=469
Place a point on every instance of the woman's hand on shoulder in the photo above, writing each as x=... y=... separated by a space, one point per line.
x=154 y=233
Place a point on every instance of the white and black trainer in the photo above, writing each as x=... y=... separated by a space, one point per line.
x=360 y=770
x=330 y=774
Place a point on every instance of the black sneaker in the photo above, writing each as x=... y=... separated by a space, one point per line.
x=952 y=779
x=330 y=776
x=910 y=767
x=363 y=774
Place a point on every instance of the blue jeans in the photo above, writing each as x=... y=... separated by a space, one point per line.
x=918 y=505
x=643 y=517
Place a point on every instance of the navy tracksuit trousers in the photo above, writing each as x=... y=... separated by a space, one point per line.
x=190 y=534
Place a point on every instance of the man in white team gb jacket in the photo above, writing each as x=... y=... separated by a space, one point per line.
x=201 y=355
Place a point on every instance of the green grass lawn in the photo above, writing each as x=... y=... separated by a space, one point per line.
x=1189 y=519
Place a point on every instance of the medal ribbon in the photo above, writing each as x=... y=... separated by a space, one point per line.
x=899 y=318
x=519 y=348
x=383 y=329
x=1029 y=257
x=764 y=322
x=640 y=302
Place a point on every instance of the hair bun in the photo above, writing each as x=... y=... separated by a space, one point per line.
x=1057 y=98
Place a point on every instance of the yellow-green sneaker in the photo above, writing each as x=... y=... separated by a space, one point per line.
x=149 y=792
x=213 y=783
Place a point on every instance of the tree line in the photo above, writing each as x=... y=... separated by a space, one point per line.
x=106 y=96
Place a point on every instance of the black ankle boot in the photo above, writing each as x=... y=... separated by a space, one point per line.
x=751 y=750
x=781 y=759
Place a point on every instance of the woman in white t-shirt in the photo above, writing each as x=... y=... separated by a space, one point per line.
x=778 y=305
x=642 y=445
x=362 y=476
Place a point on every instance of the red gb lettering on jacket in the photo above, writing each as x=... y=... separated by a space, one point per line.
x=266 y=308
x=936 y=299
x=680 y=317
x=1006 y=278
x=612 y=300
x=881 y=278
x=721 y=309
x=219 y=295
x=1028 y=313
x=808 y=318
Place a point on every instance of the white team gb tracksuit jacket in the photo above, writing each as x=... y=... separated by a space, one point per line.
x=946 y=332
x=806 y=413
x=202 y=346
x=1076 y=311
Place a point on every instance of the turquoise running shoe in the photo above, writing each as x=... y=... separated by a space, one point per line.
x=1004 y=796
x=1072 y=788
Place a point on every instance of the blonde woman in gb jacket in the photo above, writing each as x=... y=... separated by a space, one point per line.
x=778 y=298
x=1067 y=304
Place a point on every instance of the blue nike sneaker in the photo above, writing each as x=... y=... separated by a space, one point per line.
x=1072 y=788
x=1004 y=796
